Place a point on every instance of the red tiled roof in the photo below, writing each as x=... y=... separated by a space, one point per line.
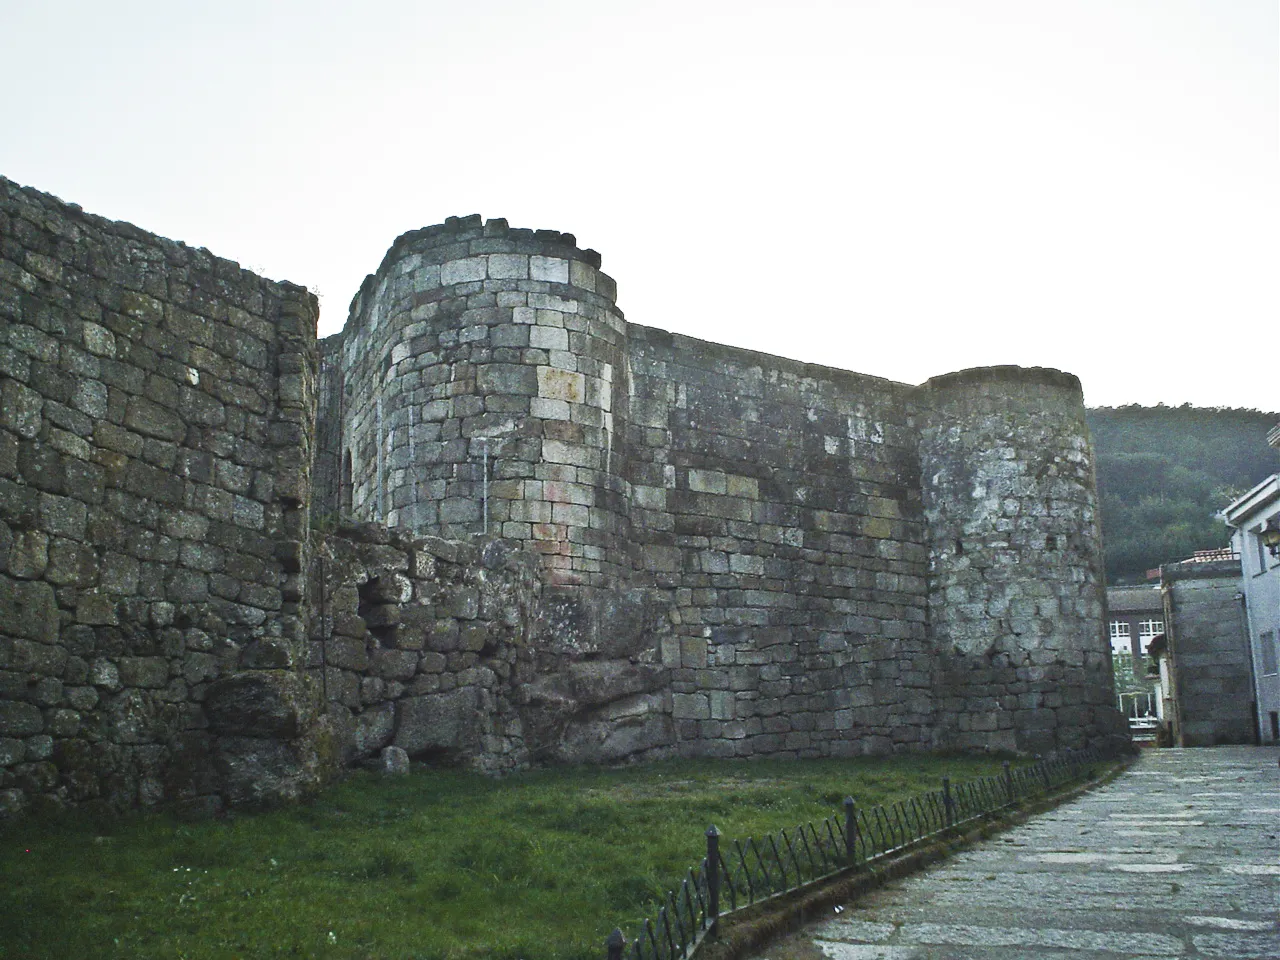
x=1209 y=556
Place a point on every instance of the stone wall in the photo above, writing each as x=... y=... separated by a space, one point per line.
x=476 y=342
x=779 y=503
x=1017 y=591
x=584 y=540
x=821 y=600
x=1209 y=652
x=415 y=644
x=456 y=652
x=155 y=445
x=326 y=479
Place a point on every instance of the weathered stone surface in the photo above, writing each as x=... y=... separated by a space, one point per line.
x=393 y=762
x=258 y=703
x=154 y=382
x=606 y=740
x=19 y=719
x=444 y=723
x=1210 y=653
x=256 y=771
x=703 y=550
x=29 y=609
x=144 y=671
x=374 y=728
x=28 y=554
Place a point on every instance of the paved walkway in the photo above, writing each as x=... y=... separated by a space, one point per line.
x=1179 y=857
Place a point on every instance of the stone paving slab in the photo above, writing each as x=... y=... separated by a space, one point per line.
x=1178 y=857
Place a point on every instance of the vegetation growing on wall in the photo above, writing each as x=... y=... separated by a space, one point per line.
x=1165 y=472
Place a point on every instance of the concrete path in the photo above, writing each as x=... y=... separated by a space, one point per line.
x=1179 y=857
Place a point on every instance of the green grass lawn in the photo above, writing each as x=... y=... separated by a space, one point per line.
x=440 y=864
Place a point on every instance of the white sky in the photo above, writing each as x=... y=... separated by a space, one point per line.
x=898 y=187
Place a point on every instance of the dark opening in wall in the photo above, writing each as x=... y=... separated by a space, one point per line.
x=380 y=612
x=1051 y=542
x=959 y=549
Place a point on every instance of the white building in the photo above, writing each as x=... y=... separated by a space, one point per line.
x=1255 y=523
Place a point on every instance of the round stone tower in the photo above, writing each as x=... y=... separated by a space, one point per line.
x=484 y=390
x=1017 y=591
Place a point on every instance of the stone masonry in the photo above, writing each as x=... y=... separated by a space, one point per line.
x=155 y=439
x=850 y=565
x=1209 y=653
x=495 y=523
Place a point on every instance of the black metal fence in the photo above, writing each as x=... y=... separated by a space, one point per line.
x=738 y=874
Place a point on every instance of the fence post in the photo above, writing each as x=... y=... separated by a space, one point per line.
x=946 y=800
x=713 y=881
x=1044 y=771
x=850 y=831
x=1008 y=780
x=615 y=944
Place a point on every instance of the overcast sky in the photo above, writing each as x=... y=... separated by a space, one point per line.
x=898 y=187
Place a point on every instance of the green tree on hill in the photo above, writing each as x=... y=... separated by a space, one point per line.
x=1164 y=473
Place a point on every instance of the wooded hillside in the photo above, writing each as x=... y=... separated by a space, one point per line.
x=1164 y=473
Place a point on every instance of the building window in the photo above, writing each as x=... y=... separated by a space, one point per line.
x=1148 y=630
x=1267 y=653
x=1120 y=634
x=1262 y=550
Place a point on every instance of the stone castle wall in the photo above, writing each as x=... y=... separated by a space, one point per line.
x=779 y=505
x=155 y=438
x=450 y=651
x=820 y=599
x=1016 y=591
x=691 y=549
x=418 y=644
x=476 y=340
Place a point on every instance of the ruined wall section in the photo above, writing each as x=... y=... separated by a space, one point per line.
x=155 y=447
x=441 y=648
x=778 y=503
x=1016 y=588
x=477 y=339
x=415 y=644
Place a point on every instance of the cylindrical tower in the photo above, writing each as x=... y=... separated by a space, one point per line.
x=1017 y=591
x=484 y=382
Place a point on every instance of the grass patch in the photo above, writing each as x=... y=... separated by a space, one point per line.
x=440 y=865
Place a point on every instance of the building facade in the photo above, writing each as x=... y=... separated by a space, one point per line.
x=1251 y=517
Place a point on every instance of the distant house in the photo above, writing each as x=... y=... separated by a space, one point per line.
x=1211 y=632
x=1135 y=616
x=1255 y=522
